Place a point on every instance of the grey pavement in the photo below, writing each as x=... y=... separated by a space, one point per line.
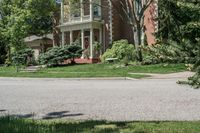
x=115 y=100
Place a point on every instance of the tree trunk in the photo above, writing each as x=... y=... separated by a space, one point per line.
x=137 y=41
x=56 y=31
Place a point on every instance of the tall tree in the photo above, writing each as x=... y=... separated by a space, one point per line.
x=41 y=20
x=133 y=13
x=183 y=16
x=21 y=18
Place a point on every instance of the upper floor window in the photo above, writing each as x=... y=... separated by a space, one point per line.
x=97 y=8
x=75 y=8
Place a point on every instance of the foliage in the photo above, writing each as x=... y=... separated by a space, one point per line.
x=171 y=52
x=41 y=19
x=194 y=80
x=179 y=19
x=3 y=51
x=133 y=13
x=2 y=54
x=97 y=49
x=15 y=14
x=57 y=55
x=22 y=57
x=21 y=18
x=121 y=50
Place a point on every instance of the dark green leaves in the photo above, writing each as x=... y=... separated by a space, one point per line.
x=57 y=55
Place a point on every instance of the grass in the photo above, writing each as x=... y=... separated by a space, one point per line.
x=16 y=125
x=94 y=70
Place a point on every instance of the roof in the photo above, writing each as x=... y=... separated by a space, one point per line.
x=34 y=37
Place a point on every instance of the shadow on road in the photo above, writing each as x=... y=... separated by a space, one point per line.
x=61 y=114
x=51 y=115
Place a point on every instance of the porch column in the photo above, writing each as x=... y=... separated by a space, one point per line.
x=62 y=11
x=101 y=39
x=100 y=11
x=91 y=43
x=91 y=10
x=63 y=39
x=100 y=35
x=71 y=37
x=82 y=10
x=82 y=41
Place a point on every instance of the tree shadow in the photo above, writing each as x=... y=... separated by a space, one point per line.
x=61 y=114
x=23 y=115
x=51 y=115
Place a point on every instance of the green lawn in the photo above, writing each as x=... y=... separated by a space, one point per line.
x=13 y=125
x=94 y=70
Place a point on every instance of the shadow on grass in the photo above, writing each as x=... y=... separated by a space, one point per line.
x=69 y=64
x=23 y=115
x=9 y=124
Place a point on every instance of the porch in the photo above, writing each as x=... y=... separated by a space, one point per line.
x=84 y=27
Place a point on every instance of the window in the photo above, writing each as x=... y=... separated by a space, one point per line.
x=75 y=8
x=96 y=8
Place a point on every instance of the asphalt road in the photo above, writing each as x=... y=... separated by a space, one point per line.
x=116 y=100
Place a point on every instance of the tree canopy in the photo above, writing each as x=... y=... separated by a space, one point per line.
x=21 y=18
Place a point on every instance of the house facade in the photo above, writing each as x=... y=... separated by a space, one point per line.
x=39 y=44
x=95 y=24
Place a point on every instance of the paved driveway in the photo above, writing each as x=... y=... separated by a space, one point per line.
x=145 y=99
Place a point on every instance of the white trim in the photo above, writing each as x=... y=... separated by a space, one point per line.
x=62 y=11
x=91 y=43
x=100 y=36
x=71 y=37
x=91 y=10
x=83 y=41
x=110 y=21
x=80 y=25
x=82 y=10
x=63 y=39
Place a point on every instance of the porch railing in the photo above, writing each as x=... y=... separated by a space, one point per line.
x=78 y=19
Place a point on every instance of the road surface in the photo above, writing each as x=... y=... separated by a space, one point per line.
x=115 y=100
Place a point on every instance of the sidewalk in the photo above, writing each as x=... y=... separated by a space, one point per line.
x=180 y=75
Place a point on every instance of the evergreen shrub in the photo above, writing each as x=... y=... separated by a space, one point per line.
x=57 y=55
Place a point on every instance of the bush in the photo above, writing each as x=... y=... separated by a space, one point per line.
x=23 y=57
x=57 y=55
x=121 y=50
x=195 y=80
x=171 y=52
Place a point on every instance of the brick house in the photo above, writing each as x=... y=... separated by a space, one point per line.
x=99 y=22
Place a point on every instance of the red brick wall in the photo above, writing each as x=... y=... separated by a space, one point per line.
x=121 y=29
x=150 y=23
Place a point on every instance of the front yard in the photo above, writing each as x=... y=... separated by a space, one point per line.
x=94 y=70
x=13 y=125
